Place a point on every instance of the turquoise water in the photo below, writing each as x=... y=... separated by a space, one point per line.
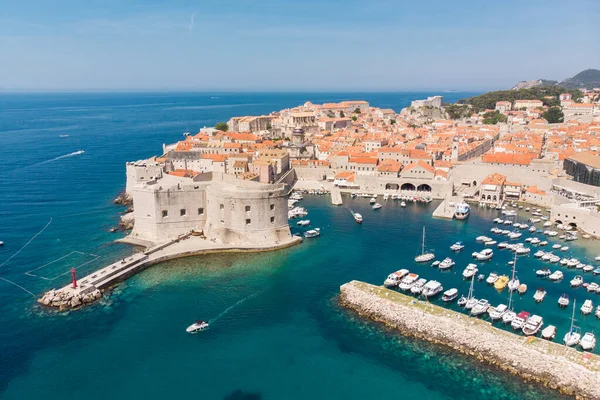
x=284 y=337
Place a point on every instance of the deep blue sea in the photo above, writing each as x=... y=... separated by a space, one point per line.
x=277 y=331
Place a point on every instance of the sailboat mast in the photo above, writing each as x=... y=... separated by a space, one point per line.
x=471 y=289
x=423 y=244
x=573 y=317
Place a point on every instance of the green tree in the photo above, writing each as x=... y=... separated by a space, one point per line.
x=330 y=114
x=354 y=118
x=342 y=115
x=269 y=127
x=392 y=121
x=357 y=110
x=493 y=117
x=222 y=126
x=554 y=115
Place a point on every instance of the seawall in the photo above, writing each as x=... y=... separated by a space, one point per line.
x=566 y=370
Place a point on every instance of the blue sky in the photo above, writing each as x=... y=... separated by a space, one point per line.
x=293 y=45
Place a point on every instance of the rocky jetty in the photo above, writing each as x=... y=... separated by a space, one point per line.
x=566 y=370
x=64 y=300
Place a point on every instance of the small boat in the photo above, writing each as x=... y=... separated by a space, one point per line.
x=508 y=317
x=462 y=301
x=303 y=222
x=533 y=325
x=403 y=204
x=394 y=278
x=424 y=257
x=501 y=282
x=376 y=206
x=556 y=276
x=497 y=312
x=577 y=281
x=588 y=268
x=554 y=259
x=564 y=261
x=539 y=295
x=544 y=243
x=598 y=312
x=458 y=246
x=574 y=335
x=492 y=278
x=588 y=341
x=480 y=308
x=450 y=294
x=358 y=218
x=572 y=262
x=518 y=322
x=432 y=288
x=471 y=303
x=373 y=200
x=543 y=272
x=480 y=277
x=408 y=281
x=386 y=197
x=586 y=236
x=447 y=263
x=549 y=332
x=462 y=211
x=522 y=289
x=535 y=241
x=532 y=229
x=564 y=248
x=587 y=307
x=490 y=243
x=513 y=284
x=484 y=255
x=593 y=287
x=435 y=263
x=522 y=250
x=597 y=271
x=514 y=235
x=197 y=327
x=502 y=245
x=470 y=271
x=312 y=233
x=563 y=301
x=418 y=286
x=481 y=238
x=547 y=256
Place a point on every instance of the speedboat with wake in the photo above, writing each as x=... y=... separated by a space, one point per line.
x=197 y=327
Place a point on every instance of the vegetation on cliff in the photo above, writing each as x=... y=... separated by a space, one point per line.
x=547 y=94
x=589 y=79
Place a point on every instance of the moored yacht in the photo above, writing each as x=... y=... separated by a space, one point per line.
x=563 y=301
x=450 y=295
x=376 y=206
x=432 y=288
x=542 y=273
x=574 y=335
x=556 y=276
x=577 y=281
x=417 y=288
x=462 y=211
x=480 y=308
x=470 y=271
x=447 y=263
x=497 y=312
x=533 y=325
x=588 y=341
x=358 y=218
x=311 y=233
x=549 y=332
x=484 y=255
x=394 y=278
x=539 y=295
x=587 y=307
x=458 y=246
x=492 y=278
x=408 y=281
x=424 y=257
x=518 y=322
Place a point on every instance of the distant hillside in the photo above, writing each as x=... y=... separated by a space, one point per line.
x=488 y=100
x=588 y=79
x=534 y=83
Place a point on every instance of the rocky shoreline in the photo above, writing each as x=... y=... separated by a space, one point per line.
x=566 y=370
x=64 y=300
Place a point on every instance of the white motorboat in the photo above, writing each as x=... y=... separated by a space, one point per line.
x=535 y=241
x=564 y=248
x=450 y=295
x=532 y=229
x=418 y=286
x=556 y=276
x=394 y=278
x=492 y=278
x=547 y=256
x=549 y=332
x=424 y=257
x=528 y=240
x=408 y=281
x=485 y=254
x=458 y=246
x=556 y=246
x=533 y=325
x=563 y=301
x=490 y=243
x=518 y=322
x=543 y=272
x=593 y=287
x=587 y=307
x=564 y=261
x=539 y=295
x=432 y=288
x=403 y=204
x=447 y=263
x=386 y=197
x=574 y=335
x=577 y=281
x=544 y=243
x=513 y=284
x=481 y=238
x=588 y=341
x=197 y=327
x=572 y=263
x=470 y=271
x=508 y=317
x=311 y=233
x=462 y=211
x=304 y=222
x=373 y=200
x=538 y=254
x=358 y=218
x=376 y=206
x=480 y=308
x=502 y=245
x=497 y=312
x=514 y=235
x=598 y=312
x=435 y=263
x=523 y=250
x=554 y=259
x=547 y=224
x=588 y=268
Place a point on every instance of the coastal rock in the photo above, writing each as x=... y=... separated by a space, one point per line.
x=127 y=221
x=75 y=302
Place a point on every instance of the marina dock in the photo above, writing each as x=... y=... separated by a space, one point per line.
x=558 y=367
x=336 y=196
x=444 y=210
x=89 y=288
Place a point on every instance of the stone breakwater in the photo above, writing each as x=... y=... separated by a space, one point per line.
x=566 y=370
x=64 y=300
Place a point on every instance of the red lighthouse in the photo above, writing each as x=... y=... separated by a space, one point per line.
x=73 y=278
